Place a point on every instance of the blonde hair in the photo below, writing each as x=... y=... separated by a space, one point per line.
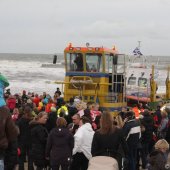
x=81 y=105
x=40 y=115
x=161 y=144
x=106 y=123
x=61 y=122
x=164 y=114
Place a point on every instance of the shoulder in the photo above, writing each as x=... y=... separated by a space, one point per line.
x=97 y=134
x=4 y=110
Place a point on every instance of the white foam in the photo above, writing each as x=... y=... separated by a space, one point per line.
x=30 y=76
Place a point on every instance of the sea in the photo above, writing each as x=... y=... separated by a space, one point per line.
x=25 y=71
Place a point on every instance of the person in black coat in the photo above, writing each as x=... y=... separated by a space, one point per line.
x=132 y=134
x=52 y=117
x=59 y=146
x=79 y=62
x=39 y=136
x=24 y=138
x=107 y=140
x=11 y=156
x=147 y=128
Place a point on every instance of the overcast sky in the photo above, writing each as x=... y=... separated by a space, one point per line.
x=47 y=26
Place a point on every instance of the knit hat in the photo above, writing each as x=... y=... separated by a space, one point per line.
x=53 y=109
x=3 y=83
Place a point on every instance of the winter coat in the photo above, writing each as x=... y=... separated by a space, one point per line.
x=24 y=138
x=11 y=156
x=39 y=136
x=8 y=130
x=51 y=122
x=157 y=161
x=108 y=142
x=83 y=140
x=59 y=146
x=132 y=132
x=168 y=132
x=148 y=124
x=71 y=111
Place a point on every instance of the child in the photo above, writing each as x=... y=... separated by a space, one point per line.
x=158 y=158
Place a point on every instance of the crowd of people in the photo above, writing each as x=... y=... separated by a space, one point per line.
x=50 y=133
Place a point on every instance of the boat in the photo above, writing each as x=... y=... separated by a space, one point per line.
x=139 y=75
x=91 y=73
x=55 y=64
x=102 y=75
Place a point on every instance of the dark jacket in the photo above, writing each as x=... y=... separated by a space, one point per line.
x=132 y=132
x=157 y=161
x=11 y=156
x=59 y=146
x=39 y=136
x=108 y=142
x=148 y=124
x=157 y=118
x=8 y=130
x=51 y=122
x=24 y=138
x=168 y=132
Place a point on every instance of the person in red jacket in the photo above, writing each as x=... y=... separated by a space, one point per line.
x=36 y=100
x=11 y=103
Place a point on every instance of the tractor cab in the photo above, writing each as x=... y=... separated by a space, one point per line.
x=94 y=74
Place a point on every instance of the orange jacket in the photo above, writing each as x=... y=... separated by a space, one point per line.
x=136 y=111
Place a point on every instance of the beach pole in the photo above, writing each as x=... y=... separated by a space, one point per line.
x=168 y=85
x=153 y=86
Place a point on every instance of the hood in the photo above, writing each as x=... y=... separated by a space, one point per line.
x=148 y=120
x=154 y=156
x=33 y=123
x=87 y=126
x=2 y=101
x=3 y=83
x=59 y=132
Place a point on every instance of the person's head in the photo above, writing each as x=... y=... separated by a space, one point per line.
x=8 y=90
x=76 y=119
x=28 y=112
x=81 y=105
x=158 y=107
x=130 y=115
x=106 y=123
x=57 y=94
x=23 y=92
x=41 y=118
x=124 y=109
x=84 y=120
x=164 y=114
x=16 y=111
x=53 y=109
x=71 y=100
x=146 y=112
x=61 y=122
x=162 y=145
x=36 y=95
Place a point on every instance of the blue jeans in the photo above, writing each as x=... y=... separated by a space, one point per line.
x=132 y=157
x=1 y=164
